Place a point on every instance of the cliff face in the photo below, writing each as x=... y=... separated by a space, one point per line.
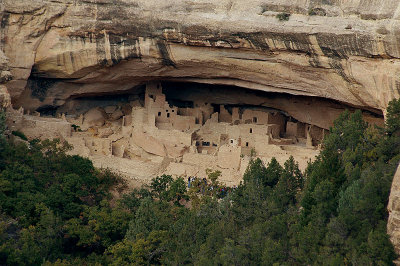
x=394 y=212
x=348 y=51
x=343 y=51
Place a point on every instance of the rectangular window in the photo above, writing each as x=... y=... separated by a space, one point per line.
x=159 y=113
x=254 y=119
x=167 y=114
x=251 y=130
x=247 y=144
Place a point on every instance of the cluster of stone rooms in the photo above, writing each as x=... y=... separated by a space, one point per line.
x=199 y=128
x=150 y=136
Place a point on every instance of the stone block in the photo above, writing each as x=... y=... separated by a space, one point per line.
x=94 y=117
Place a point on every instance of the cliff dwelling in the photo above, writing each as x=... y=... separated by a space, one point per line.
x=229 y=87
x=182 y=128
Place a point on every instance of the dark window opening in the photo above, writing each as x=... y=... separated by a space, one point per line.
x=167 y=114
x=197 y=143
x=179 y=103
x=231 y=140
x=47 y=110
x=159 y=113
x=173 y=111
x=206 y=143
x=251 y=130
x=217 y=108
x=255 y=119
x=151 y=96
x=247 y=144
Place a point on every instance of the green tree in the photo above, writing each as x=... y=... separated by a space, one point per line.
x=232 y=253
x=145 y=221
x=255 y=173
x=143 y=251
x=273 y=173
x=176 y=191
x=160 y=184
x=2 y=122
x=98 y=227
x=393 y=117
x=379 y=248
x=39 y=242
x=289 y=185
x=347 y=132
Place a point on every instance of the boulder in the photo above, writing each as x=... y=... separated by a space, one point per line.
x=104 y=132
x=94 y=118
x=5 y=99
x=110 y=109
x=116 y=115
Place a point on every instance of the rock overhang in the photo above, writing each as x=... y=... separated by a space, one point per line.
x=347 y=54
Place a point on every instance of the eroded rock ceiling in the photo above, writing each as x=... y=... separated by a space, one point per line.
x=345 y=51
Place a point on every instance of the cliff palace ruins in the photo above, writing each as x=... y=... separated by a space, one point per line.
x=183 y=129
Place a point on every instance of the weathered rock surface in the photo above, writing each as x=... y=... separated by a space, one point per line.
x=5 y=99
x=394 y=212
x=94 y=117
x=5 y=75
x=342 y=50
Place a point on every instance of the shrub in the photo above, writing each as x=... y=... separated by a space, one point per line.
x=283 y=16
x=316 y=12
x=76 y=127
x=19 y=134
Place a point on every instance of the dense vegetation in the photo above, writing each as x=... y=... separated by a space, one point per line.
x=58 y=209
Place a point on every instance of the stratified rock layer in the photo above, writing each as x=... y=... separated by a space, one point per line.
x=343 y=51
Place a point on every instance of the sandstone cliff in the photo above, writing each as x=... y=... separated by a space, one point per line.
x=394 y=212
x=347 y=51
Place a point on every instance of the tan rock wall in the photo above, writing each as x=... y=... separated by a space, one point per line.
x=351 y=54
x=37 y=127
x=393 y=227
x=229 y=157
x=5 y=99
